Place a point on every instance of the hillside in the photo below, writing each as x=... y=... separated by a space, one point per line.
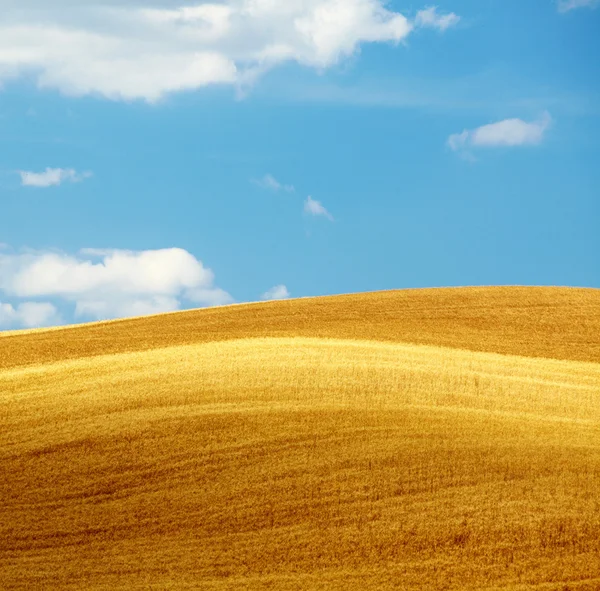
x=418 y=439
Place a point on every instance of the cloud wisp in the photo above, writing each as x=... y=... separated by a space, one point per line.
x=316 y=208
x=129 y=51
x=507 y=133
x=51 y=177
x=28 y=315
x=279 y=292
x=429 y=17
x=311 y=206
x=103 y=284
x=568 y=5
x=272 y=184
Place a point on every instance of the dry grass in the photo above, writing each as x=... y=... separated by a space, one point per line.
x=428 y=439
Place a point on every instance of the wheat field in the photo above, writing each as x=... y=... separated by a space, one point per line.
x=417 y=439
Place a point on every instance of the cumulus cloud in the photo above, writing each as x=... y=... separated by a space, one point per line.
x=567 y=5
x=105 y=284
x=314 y=207
x=28 y=315
x=429 y=17
x=51 y=177
x=146 y=49
x=208 y=296
x=509 y=132
x=270 y=182
x=279 y=292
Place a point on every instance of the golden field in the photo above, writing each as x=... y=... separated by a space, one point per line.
x=418 y=439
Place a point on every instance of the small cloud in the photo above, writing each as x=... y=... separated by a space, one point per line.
x=51 y=177
x=567 y=5
x=213 y=296
x=430 y=18
x=279 y=292
x=271 y=183
x=28 y=315
x=509 y=132
x=314 y=207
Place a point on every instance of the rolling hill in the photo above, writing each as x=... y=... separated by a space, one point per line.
x=416 y=439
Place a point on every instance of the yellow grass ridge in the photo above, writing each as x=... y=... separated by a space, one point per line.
x=417 y=439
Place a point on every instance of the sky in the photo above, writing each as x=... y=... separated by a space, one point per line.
x=158 y=155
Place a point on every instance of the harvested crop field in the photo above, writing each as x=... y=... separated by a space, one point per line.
x=417 y=439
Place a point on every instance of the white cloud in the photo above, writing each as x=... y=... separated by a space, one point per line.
x=567 y=5
x=28 y=315
x=270 y=182
x=100 y=309
x=458 y=140
x=51 y=177
x=212 y=296
x=279 y=292
x=509 y=132
x=429 y=17
x=132 y=50
x=112 y=283
x=314 y=207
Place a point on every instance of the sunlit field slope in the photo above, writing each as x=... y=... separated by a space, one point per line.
x=419 y=439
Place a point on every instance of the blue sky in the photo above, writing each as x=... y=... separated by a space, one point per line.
x=164 y=155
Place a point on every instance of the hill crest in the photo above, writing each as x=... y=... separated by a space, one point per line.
x=551 y=322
